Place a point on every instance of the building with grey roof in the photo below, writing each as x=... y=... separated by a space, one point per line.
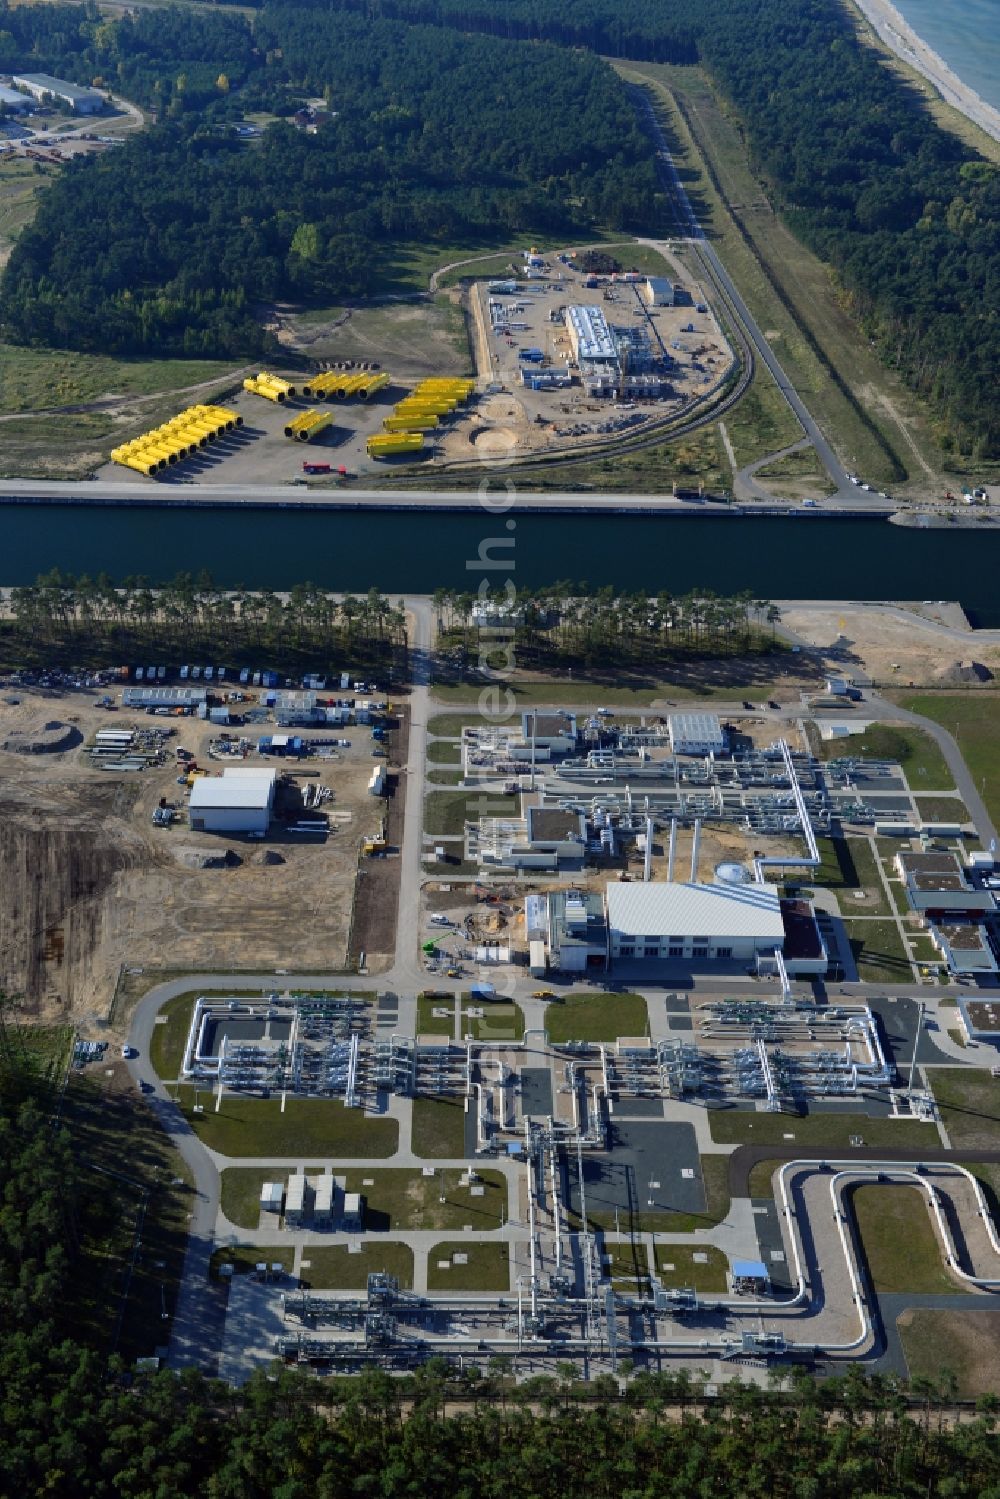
x=42 y=86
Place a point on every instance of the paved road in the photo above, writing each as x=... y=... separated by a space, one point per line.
x=722 y=281
x=177 y=492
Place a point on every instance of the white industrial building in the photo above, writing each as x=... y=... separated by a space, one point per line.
x=188 y=698
x=576 y=934
x=658 y=291
x=590 y=337
x=238 y=801
x=693 y=923
x=696 y=734
x=42 y=86
x=555 y=732
x=545 y=838
x=13 y=101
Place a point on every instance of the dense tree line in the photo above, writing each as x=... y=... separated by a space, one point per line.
x=169 y=244
x=73 y=1423
x=907 y=215
x=73 y=619
x=570 y=623
x=166 y=245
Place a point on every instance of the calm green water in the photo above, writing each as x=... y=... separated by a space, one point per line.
x=794 y=557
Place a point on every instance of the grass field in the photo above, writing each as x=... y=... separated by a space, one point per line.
x=448 y=811
x=677 y=1267
x=878 y=952
x=761 y=1180
x=334 y=1267
x=449 y=725
x=487 y=1267
x=596 y=1017
x=797 y=471
x=763 y=422
x=166 y=1048
x=696 y=458
x=969 y=1103
x=938 y=1343
x=33 y=379
x=974 y=718
x=942 y=809
x=398 y=1198
x=877 y=426
x=627 y=1266
x=439 y=1128
x=20 y=181
x=429 y=1024
x=444 y=777
x=499 y=1022
x=239 y=1188
x=914 y=749
x=902 y=1249
x=306 y=1127
x=848 y=864
x=409 y=338
x=738 y=1127
x=442 y=752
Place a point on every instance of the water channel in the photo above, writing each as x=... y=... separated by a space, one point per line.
x=797 y=556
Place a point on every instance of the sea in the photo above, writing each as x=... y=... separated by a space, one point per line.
x=965 y=34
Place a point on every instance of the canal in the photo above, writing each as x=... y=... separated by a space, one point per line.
x=795 y=556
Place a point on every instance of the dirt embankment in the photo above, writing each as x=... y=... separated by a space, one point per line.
x=64 y=851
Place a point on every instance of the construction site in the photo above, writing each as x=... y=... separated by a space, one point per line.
x=564 y=359
x=106 y=869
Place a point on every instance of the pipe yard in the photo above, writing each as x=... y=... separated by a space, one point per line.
x=567 y=362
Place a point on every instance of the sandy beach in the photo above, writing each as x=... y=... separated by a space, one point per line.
x=903 y=40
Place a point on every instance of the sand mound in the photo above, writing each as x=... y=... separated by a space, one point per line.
x=964 y=671
x=495 y=440
x=50 y=738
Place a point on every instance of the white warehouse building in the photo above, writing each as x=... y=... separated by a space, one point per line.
x=42 y=86
x=696 y=734
x=693 y=923
x=238 y=801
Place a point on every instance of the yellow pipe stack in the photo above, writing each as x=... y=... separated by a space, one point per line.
x=271 y=387
x=332 y=383
x=424 y=422
x=308 y=424
x=431 y=398
x=177 y=439
x=390 y=444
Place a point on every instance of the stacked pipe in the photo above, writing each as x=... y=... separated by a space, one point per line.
x=431 y=398
x=271 y=387
x=177 y=439
x=389 y=444
x=331 y=385
x=308 y=424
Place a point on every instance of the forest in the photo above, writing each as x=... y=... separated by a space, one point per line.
x=61 y=618
x=171 y=244
x=571 y=625
x=487 y=135
x=74 y=1422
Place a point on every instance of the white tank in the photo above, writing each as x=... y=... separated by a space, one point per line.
x=731 y=874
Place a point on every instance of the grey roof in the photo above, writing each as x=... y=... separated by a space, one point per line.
x=661 y=909
x=58 y=86
x=698 y=727
x=551 y=824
